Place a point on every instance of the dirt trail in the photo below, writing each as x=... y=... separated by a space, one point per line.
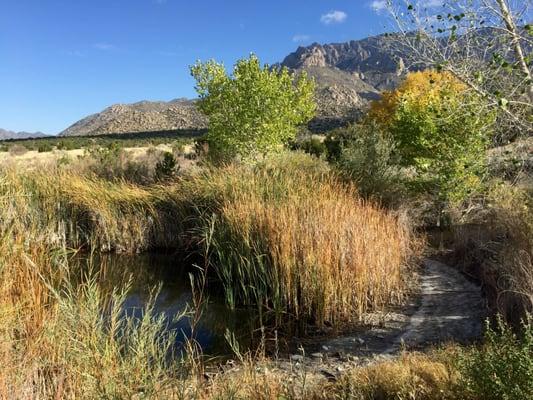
x=452 y=308
x=449 y=308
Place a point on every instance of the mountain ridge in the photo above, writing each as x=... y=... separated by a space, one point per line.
x=9 y=135
x=349 y=75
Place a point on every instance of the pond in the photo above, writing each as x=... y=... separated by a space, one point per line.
x=148 y=271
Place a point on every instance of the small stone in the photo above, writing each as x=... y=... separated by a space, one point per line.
x=297 y=357
x=317 y=355
x=325 y=348
x=360 y=341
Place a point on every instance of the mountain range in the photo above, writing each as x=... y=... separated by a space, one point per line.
x=348 y=76
x=5 y=135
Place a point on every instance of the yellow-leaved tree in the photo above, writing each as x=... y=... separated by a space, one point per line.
x=439 y=127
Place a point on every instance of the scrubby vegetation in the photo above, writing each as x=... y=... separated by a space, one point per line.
x=306 y=240
x=140 y=139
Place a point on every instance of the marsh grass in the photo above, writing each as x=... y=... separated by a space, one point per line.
x=76 y=210
x=285 y=235
x=290 y=237
x=59 y=340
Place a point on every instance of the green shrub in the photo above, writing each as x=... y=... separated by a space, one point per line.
x=44 y=147
x=369 y=160
x=253 y=111
x=66 y=144
x=111 y=163
x=502 y=369
x=166 y=168
x=313 y=146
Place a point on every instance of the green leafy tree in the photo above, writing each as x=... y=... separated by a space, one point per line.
x=254 y=110
x=440 y=129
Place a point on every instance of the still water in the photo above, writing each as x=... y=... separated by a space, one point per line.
x=148 y=271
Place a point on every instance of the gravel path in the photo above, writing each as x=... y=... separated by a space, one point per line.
x=452 y=309
x=449 y=308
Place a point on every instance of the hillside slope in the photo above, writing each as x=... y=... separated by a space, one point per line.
x=144 y=116
x=348 y=76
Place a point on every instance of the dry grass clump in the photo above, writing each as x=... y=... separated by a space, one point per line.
x=77 y=210
x=297 y=241
x=500 y=251
x=412 y=376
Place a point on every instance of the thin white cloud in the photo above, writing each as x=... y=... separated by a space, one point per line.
x=76 y=53
x=333 y=17
x=378 y=5
x=300 y=38
x=104 y=46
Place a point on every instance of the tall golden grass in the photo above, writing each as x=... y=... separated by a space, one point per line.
x=286 y=234
x=298 y=241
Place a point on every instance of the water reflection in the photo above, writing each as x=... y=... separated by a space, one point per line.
x=148 y=271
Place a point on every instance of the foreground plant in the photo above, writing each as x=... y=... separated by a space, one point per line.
x=503 y=367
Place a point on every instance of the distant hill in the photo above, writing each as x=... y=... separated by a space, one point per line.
x=348 y=76
x=144 y=116
x=5 y=135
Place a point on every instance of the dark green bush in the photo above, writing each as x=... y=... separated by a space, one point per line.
x=66 y=144
x=368 y=158
x=44 y=147
x=336 y=140
x=166 y=168
x=313 y=146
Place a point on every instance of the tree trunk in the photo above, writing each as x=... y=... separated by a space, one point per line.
x=519 y=53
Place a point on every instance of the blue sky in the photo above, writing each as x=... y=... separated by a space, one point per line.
x=61 y=60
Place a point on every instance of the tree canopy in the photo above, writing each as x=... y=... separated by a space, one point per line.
x=255 y=109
